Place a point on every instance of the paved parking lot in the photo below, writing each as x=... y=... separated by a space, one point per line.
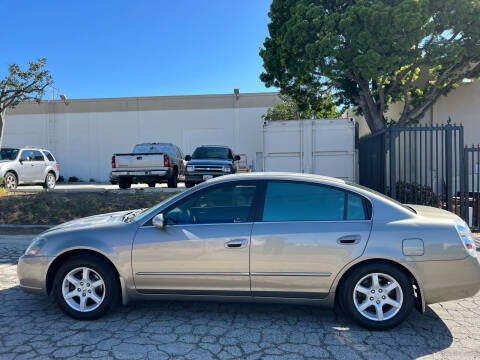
x=33 y=327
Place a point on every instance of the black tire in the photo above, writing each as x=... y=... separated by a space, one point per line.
x=50 y=181
x=151 y=184
x=107 y=273
x=11 y=181
x=173 y=181
x=124 y=183
x=347 y=292
x=189 y=184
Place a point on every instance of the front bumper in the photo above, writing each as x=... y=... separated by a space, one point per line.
x=198 y=177
x=449 y=280
x=31 y=271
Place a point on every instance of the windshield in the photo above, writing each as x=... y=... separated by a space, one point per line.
x=211 y=153
x=152 y=148
x=8 y=154
x=380 y=195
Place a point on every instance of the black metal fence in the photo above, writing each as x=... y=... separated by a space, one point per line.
x=470 y=198
x=416 y=164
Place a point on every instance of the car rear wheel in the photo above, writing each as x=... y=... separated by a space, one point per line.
x=189 y=184
x=124 y=183
x=377 y=296
x=86 y=287
x=173 y=181
x=50 y=181
x=151 y=184
x=11 y=181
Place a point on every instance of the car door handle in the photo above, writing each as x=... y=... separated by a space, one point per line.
x=236 y=243
x=349 y=239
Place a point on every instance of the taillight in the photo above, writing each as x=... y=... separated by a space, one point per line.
x=166 y=160
x=56 y=166
x=466 y=237
x=114 y=165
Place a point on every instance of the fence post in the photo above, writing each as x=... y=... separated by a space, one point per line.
x=448 y=162
x=461 y=171
x=393 y=167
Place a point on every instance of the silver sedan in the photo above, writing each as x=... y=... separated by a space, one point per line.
x=260 y=237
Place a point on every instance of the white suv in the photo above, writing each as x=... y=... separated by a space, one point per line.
x=28 y=166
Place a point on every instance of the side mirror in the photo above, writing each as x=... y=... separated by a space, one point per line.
x=158 y=221
x=188 y=158
x=237 y=157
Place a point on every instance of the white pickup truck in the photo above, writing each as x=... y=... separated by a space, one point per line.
x=149 y=163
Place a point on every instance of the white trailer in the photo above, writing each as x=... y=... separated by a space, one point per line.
x=322 y=146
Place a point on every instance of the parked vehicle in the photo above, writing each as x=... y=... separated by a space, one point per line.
x=261 y=237
x=208 y=162
x=149 y=163
x=28 y=166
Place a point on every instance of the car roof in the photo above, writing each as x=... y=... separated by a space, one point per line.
x=279 y=175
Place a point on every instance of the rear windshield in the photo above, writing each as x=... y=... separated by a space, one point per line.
x=211 y=153
x=153 y=148
x=381 y=195
x=8 y=154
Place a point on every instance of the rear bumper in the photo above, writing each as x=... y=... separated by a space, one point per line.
x=141 y=175
x=449 y=280
x=31 y=271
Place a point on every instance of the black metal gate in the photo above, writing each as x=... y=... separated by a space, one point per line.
x=416 y=164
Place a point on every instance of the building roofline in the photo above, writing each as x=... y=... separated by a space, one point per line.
x=149 y=103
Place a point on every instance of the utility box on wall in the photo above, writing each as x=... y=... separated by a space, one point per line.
x=322 y=146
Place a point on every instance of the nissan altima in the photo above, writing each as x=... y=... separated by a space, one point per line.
x=267 y=237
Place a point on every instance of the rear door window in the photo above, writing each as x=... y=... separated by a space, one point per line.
x=37 y=156
x=296 y=201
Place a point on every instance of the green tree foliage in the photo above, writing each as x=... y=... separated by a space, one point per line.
x=22 y=85
x=289 y=109
x=371 y=53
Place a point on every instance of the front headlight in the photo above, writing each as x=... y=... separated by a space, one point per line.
x=226 y=169
x=191 y=168
x=35 y=246
x=466 y=236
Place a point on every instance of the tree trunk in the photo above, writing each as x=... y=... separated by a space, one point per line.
x=373 y=117
x=2 y=125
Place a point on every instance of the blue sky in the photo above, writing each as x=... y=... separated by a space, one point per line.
x=139 y=48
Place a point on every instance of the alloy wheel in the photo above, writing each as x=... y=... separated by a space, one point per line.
x=378 y=296
x=83 y=289
x=10 y=182
x=50 y=181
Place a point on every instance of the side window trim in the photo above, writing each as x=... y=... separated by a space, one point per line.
x=251 y=216
x=261 y=205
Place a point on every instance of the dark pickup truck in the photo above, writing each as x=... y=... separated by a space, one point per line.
x=208 y=162
x=149 y=163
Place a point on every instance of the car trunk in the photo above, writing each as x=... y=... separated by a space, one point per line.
x=432 y=212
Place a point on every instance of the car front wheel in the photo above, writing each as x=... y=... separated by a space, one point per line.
x=377 y=296
x=86 y=287
x=11 y=182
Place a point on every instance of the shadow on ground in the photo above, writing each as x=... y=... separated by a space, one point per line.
x=203 y=330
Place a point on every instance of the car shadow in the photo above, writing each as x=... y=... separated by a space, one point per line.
x=304 y=328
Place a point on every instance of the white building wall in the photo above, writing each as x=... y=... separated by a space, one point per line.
x=83 y=142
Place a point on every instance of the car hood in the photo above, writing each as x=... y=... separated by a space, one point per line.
x=91 y=221
x=433 y=213
x=210 y=162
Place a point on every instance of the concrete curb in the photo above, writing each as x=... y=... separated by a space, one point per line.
x=93 y=190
